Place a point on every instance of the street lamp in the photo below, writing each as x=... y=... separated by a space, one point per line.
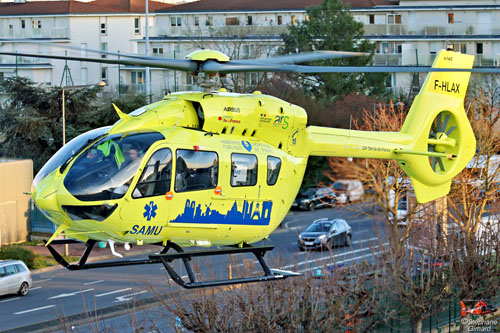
x=100 y=84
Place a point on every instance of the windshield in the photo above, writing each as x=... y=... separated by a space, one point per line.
x=340 y=186
x=319 y=227
x=307 y=193
x=105 y=170
x=71 y=149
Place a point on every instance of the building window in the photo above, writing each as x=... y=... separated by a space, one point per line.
x=451 y=18
x=157 y=50
x=137 y=28
x=280 y=20
x=104 y=48
x=479 y=48
x=37 y=24
x=196 y=21
x=156 y=177
x=393 y=19
x=232 y=21
x=371 y=19
x=104 y=74
x=103 y=28
x=294 y=20
x=209 y=22
x=249 y=20
x=273 y=169
x=137 y=77
x=251 y=79
x=175 y=21
x=458 y=47
x=190 y=79
x=23 y=24
x=196 y=170
x=243 y=170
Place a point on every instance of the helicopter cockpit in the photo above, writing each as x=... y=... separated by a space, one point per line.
x=104 y=170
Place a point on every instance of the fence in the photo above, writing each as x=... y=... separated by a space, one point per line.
x=39 y=223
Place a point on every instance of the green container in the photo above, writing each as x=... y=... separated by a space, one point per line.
x=102 y=245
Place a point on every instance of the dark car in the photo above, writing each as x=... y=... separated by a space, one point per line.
x=325 y=234
x=311 y=198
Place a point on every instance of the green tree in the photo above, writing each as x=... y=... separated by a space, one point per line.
x=330 y=26
x=31 y=118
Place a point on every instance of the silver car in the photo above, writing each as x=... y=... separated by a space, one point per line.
x=15 y=277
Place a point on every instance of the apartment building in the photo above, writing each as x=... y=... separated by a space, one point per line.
x=50 y=27
x=406 y=32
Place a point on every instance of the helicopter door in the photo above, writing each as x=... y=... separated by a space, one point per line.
x=148 y=209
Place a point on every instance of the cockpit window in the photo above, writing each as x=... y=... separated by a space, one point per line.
x=105 y=169
x=70 y=150
x=156 y=177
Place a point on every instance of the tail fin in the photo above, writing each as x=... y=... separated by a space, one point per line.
x=436 y=141
x=463 y=310
x=444 y=142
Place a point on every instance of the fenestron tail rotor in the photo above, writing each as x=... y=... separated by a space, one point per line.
x=442 y=143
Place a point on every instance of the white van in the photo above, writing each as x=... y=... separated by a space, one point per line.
x=348 y=190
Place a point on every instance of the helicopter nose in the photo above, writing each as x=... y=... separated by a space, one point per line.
x=45 y=197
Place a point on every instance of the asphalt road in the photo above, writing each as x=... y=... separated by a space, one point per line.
x=61 y=293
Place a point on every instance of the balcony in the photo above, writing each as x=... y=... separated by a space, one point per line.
x=133 y=89
x=219 y=31
x=11 y=60
x=387 y=59
x=458 y=29
x=35 y=33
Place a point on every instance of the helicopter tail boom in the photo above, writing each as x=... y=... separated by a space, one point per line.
x=436 y=141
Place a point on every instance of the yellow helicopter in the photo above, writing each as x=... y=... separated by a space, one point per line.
x=222 y=169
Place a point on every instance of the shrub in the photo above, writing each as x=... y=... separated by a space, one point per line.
x=18 y=253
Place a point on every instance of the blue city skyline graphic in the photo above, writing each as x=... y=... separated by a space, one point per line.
x=150 y=210
x=260 y=214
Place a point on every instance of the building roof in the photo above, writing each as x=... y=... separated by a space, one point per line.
x=77 y=7
x=252 y=5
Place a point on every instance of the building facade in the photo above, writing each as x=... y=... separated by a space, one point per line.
x=406 y=32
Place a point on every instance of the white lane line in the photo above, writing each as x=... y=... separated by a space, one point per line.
x=41 y=280
x=341 y=262
x=364 y=240
x=128 y=297
x=70 y=294
x=329 y=257
x=36 y=309
x=36 y=288
x=12 y=299
x=113 y=292
x=93 y=282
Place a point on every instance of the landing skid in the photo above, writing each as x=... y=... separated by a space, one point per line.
x=166 y=258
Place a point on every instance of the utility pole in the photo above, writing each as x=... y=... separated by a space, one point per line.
x=148 y=89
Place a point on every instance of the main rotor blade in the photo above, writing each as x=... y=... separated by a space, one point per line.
x=304 y=57
x=212 y=66
x=177 y=64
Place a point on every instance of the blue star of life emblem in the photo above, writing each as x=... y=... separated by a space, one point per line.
x=150 y=210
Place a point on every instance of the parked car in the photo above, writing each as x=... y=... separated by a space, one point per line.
x=15 y=277
x=402 y=221
x=348 y=190
x=325 y=234
x=311 y=198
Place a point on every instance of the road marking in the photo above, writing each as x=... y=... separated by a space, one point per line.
x=70 y=294
x=36 y=309
x=36 y=288
x=93 y=282
x=113 y=292
x=41 y=281
x=12 y=299
x=341 y=262
x=330 y=256
x=128 y=297
x=364 y=240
